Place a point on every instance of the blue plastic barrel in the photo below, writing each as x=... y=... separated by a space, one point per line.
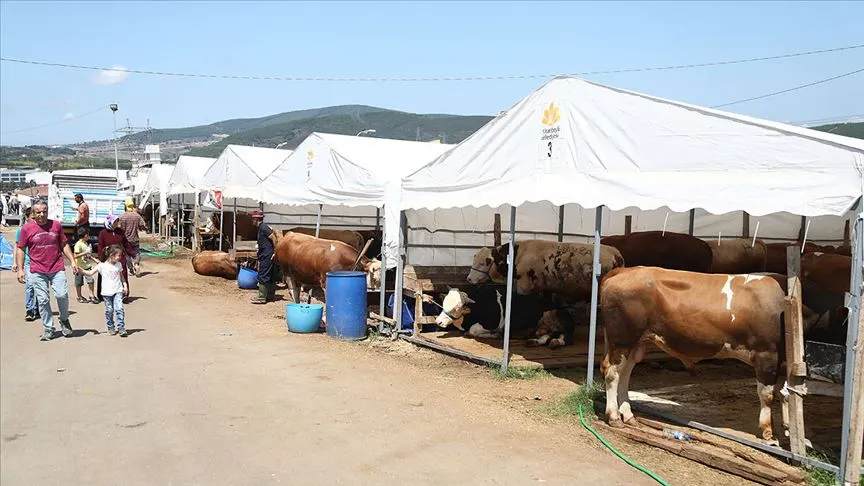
x=346 y=305
x=247 y=278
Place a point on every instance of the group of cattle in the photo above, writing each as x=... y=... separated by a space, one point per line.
x=304 y=259
x=693 y=299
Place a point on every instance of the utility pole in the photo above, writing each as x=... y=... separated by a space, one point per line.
x=114 y=107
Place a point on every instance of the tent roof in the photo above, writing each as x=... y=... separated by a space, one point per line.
x=157 y=180
x=187 y=174
x=574 y=141
x=345 y=170
x=239 y=168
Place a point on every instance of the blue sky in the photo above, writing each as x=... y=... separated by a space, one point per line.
x=344 y=39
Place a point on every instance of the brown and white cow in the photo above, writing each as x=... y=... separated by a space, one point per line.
x=545 y=266
x=691 y=316
x=215 y=264
x=352 y=238
x=738 y=255
x=305 y=260
x=675 y=251
x=480 y=312
x=555 y=328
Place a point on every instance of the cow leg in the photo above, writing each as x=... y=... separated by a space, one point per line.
x=479 y=332
x=540 y=341
x=556 y=343
x=294 y=288
x=765 y=365
x=625 y=369
x=611 y=376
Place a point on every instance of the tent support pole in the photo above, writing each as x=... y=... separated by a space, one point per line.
x=508 y=310
x=382 y=305
x=318 y=221
x=234 y=232
x=397 y=298
x=221 y=223
x=560 y=224
x=378 y=222
x=692 y=222
x=595 y=288
x=853 y=382
x=195 y=246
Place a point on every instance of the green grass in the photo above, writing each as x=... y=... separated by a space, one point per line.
x=820 y=477
x=585 y=396
x=514 y=373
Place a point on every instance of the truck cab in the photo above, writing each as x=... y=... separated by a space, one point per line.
x=101 y=192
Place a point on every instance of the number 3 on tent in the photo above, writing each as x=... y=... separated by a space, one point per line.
x=549 y=154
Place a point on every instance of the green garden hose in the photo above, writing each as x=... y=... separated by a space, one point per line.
x=608 y=445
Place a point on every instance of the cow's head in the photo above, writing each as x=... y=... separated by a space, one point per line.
x=490 y=264
x=373 y=273
x=454 y=309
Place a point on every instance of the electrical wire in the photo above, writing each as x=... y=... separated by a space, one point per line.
x=65 y=120
x=417 y=79
x=795 y=88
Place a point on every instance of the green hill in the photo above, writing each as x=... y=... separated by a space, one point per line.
x=386 y=123
x=854 y=130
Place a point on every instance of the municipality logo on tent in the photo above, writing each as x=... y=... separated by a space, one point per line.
x=551 y=116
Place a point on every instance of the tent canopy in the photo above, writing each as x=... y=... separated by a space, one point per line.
x=187 y=175
x=239 y=169
x=574 y=141
x=345 y=170
x=157 y=183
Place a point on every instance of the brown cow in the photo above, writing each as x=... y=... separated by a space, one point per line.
x=545 y=266
x=246 y=231
x=830 y=271
x=776 y=260
x=555 y=328
x=305 y=260
x=739 y=316
x=675 y=251
x=352 y=238
x=738 y=255
x=215 y=264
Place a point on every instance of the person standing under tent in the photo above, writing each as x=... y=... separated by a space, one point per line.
x=44 y=239
x=131 y=223
x=266 y=250
x=32 y=310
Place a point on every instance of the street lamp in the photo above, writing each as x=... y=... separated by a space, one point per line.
x=113 y=107
x=364 y=132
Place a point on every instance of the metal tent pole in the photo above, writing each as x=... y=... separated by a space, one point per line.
x=505 y=360
x=221 y=222
x=382 y=307
x=850 y=470
x=595 y=288
x=318 y=221
x=397 y=298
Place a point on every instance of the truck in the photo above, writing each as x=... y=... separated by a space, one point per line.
x=101 y=192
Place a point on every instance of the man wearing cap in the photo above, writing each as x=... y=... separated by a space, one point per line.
x=130 y=223
x=266 y=250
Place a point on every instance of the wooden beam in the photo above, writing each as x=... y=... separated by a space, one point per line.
x=846 y=239
x=745 y=225
x=795 y=367
x=628 y=224
x=803 y=229
x=692 y=222
x=856 y=427
x=560 y=224
x=418 y=309
x=496 y=230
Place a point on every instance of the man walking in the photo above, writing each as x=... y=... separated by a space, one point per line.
x=130 y=223
x=46 y=243
x=266 y=249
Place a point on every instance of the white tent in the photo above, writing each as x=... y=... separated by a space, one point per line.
x=157 y=183
x=239 y=169
x=578 y=142
x=187 y=175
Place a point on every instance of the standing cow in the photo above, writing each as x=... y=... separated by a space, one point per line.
x=545 y=266
x=675 y=251
x=691 y=316
x=352 y=238
x=738 y=255
x=305 y=261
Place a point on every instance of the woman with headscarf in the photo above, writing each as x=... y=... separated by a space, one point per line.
x=112 y=235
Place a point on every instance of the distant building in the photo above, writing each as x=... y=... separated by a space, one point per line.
x=17 y=177
x=152 y=155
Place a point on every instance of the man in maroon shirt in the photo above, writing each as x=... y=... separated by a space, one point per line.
x=46 y=243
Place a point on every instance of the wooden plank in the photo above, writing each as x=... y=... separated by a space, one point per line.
x=692 y=224
x=496 y=230
x=628 y=224
x=856 y=426
x=846 y=239
x=795 y=351
x=378 y=317
x=817 y=387
x=418 y=310
x=745 y=224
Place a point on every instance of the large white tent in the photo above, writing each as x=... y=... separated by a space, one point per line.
x=157 y=184
x=239 y=169
x=188 y=173
x=577 y=142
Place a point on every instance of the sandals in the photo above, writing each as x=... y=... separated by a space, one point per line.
x=94 y=300
x=82 y=300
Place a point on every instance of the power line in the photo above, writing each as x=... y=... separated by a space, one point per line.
x=415 y=79
x=795 y=88
x=65 y=120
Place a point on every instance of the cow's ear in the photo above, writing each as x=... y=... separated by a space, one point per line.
x=466 y=299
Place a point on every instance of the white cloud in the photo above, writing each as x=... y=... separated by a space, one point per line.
x=115 y=75
x=69 y=116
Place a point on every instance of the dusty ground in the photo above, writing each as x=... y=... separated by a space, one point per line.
x=212 y=390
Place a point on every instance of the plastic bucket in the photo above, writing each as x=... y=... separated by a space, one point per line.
x=346 y=305
x=247 y=278
x=303 y=318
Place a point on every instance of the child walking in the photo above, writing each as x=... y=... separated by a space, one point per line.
x=84 y=255
x=114 y=287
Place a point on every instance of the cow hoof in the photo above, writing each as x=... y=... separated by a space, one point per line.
x=531 y=343
x=616 y=423
x=772 y=442
x=632 y=421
